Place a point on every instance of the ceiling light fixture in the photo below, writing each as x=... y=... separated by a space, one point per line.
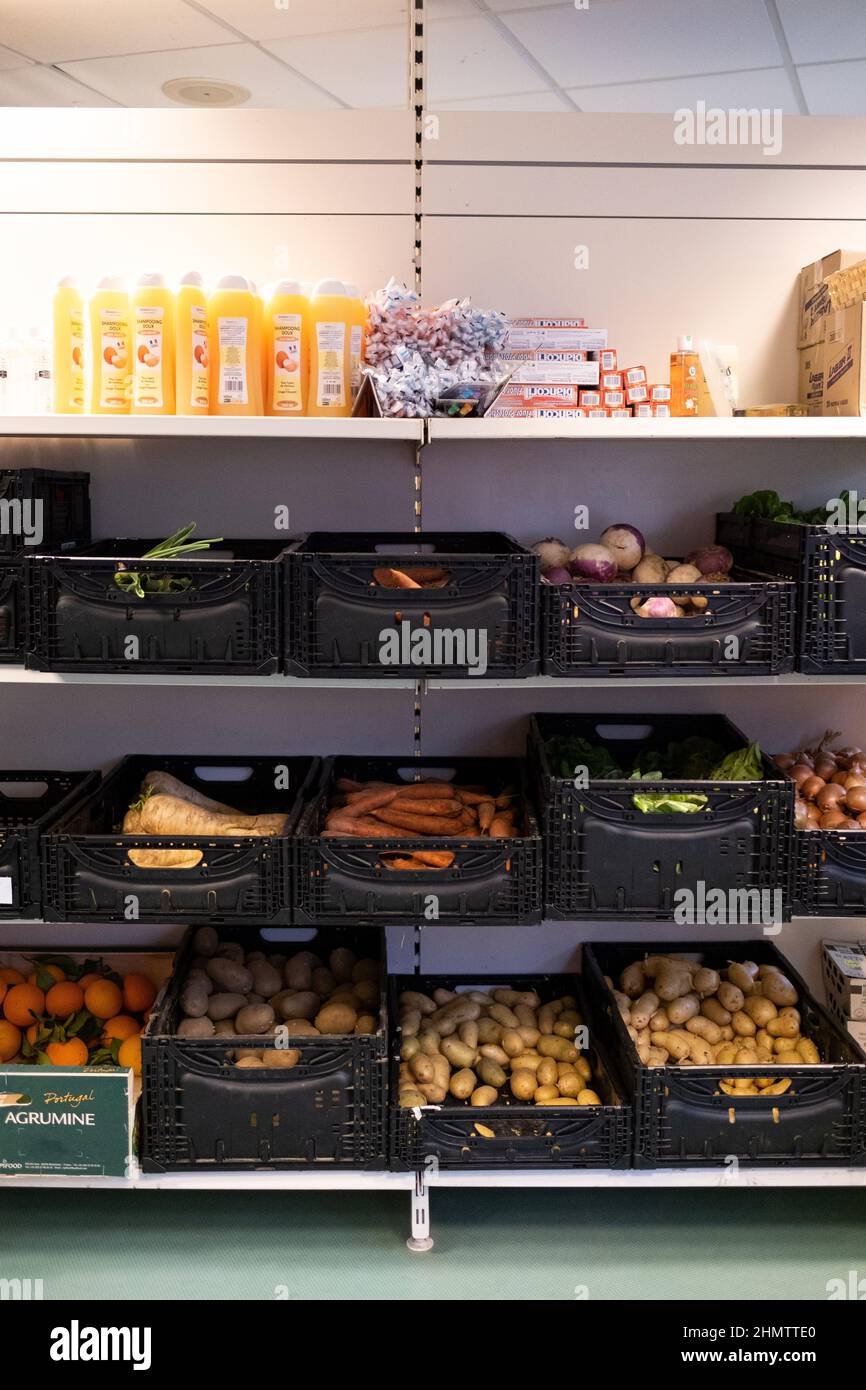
x=201 y=91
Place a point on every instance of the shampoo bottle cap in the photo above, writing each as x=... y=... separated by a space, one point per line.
x=233 y=282
x=68 y=282
x=287 y=287
x=151 y=279
x=685 y=343
x=111 y=282
x=192 y=277
x=328 y=287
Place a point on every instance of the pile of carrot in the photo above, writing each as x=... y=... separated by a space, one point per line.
x=406 y=810
x=416 y=577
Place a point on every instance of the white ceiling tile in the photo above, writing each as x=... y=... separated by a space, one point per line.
x=8 y=60
x=630 y=40
x=769 y=88
x=469 y=58
x=522 y=101
x=834 y=89
x=54 y=31
x=136 y=81
x=818 y=33
x=262 y=19
x=366 y=68
x=37 y=86
x=450 y=9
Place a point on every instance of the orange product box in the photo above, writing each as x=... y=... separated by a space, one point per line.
x=534 y=393
x=599 y=412
x=590 y=398
x=661 y=391
x=635 y=394
x=622 y=412
x=662 y=410
x=644 y=409
x=634 y=376
x=614 y=400
x=607 y=359
x=611 y=381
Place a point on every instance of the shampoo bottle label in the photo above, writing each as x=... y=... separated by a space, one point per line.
x=232 y=333
x=114 y=367
x=200 y=365
x=287 y=394
x=330 y=388
x=76 y=353
x=148 y=361
x=355 y=358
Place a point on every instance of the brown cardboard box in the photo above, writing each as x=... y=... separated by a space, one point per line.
x=814 y=296
x=845 y=362
x=811 y=378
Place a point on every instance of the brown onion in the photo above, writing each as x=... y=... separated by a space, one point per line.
x=799 y=772
x=839 y=778
x=813 y=813
x=784 y=761
x=861 y=820
x=825 y=767
x=801 y=814
x=829 y=796
x=832 y=820
x=855 y=799
x=812 y=786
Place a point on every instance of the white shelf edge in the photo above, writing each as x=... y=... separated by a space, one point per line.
x=207 y=427
x=544 y=1178
x=17 y=675
x=742 y=429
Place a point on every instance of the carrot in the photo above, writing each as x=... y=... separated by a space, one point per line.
x=403 y=863
x=362 y=802
x=422 y=825
x=416 y=807
x=169 y=815
x=434 y=858
x=394 y=579
x=502 y=828
x=428 y=575
x=348 y=784
x=486 y=815
x=435 y=790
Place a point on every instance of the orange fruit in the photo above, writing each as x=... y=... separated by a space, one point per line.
x=3 y=989
x=68 y=1054
x=130 y=1054
x=10 y=1040
x=53 y=970
x=103 y=999
x=87 y=980
x=10 y=976
x=21 y=1003
x=138 y=993
x=122 y=1027
x=64 y=999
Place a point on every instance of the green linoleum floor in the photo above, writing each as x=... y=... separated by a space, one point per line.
x=489 y=1245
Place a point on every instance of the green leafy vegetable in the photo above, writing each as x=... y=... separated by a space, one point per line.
x=141 y=582
x=743 y=765
x=767 y=505
x=671 y=803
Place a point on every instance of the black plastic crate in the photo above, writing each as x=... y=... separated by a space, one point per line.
x=30 y=803
x=90 y=876
x=523 y=1136
x=337 y=613
x=200 y=1112
x=830 y=569
x=49 y=508
x=11 y=610
x=226 y=619
x=343 y=878
x=830 y=873
x=606 y=859
x=681 y=1122
x=747 y=629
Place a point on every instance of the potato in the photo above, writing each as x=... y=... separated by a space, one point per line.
x=229 y=976
x=489 y=1031
x=468 y=1034
x=544 y=1094
x=704 y=1028
x=632 y=980
x=588 y=1097
x=731 y=997
x=643 y=1009
x=512 y=1043
x=323 y=981
x=712 y=1009
x=563 y=1029
x=490 y=1073
x=808 y=1051
x=409 y=1047
x=760 y=1009
x=462 y=1084
x=205 y=942
x=336 y=1018
x=496 y=1054
x=742 y=978
x=411 y=999
x=341 y=963
x=570 y=1084
x=682 y=1009
x=583 y=1068
x=779 y=988
x=201 y=979
x=558 y=1048
x=255 y=1018
x=435 y=1094
x=429 y=1041
x=442 y=996
x=193 y=1001
x=225 y=1005
x=251 y=1062
x=676 y=1043
x=224 y=1028
x=458 y=1054
x=706 y=981
x=527 y=1061
x=726 y=1053
x=421 y=1067
x=304 y=1004
x=789 y=1059
x=672 y=981
x=302 y=1028
x=232 y=950
x=785 y=1025
x=365 y=1026
x=502 y=1014
x=412 y=1099
x=266 y=980
x=484 y=1095
x=410 y=1023
x=367 y=969
x=548 y=1072
x=659 y=1023
x=280 y=1057
x=529 y=1036
x=523 y=1085
x=479 y=997
x=742 y=1025
x=701 y=1053
x=195 y=1028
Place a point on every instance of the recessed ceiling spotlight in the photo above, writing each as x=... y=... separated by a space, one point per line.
x=201 y=91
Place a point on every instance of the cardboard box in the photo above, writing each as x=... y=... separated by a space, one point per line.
x=843 y=965
x=554 y=335
x=845 y=362
x=814 y=297
x=810 y=390
x=560 y=373
x=535 y=394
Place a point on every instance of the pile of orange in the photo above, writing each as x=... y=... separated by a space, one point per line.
x=69 y=1022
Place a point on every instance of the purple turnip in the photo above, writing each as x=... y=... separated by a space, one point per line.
x=594 y=562
x=558 y=575
x=659 y=608
x=552 y=553
x=625 y=543
x=711 y=559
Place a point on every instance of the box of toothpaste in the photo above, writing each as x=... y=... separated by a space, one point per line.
x=607 y=359
x=546 y=393
x=560 y=335
x=555 y=373
x=635 y=394
x=634 y=376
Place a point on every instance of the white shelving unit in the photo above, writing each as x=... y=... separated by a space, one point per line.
x=206 y=427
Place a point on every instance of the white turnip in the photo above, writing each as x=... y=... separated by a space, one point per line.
x=625 y=543
x=659 y=608
x=552 y=553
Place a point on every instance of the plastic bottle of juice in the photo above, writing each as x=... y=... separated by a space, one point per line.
x=236 y=329
x=68 y=365
x=287 y=339
x=331 y=320
x=192 y=347
x=110 y=337
x=357 y=337
x=152 y=330
x=685 y=367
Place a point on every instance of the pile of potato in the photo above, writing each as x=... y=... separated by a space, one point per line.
x=678 y=1011
x=481 y=1047
x=229 y=992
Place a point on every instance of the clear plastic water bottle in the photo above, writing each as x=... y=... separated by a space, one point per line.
x=39 y=361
